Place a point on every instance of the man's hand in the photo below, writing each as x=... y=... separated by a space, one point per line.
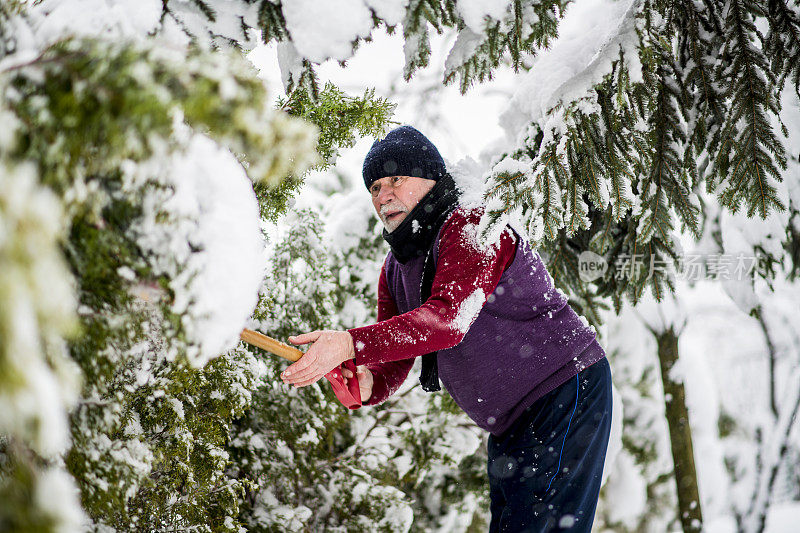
x=330 y=349
x=365 y=380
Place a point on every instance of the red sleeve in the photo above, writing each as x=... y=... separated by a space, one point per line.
x=465 y=277
x=388 y=376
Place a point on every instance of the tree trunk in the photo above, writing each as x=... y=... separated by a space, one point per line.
x=680 y=435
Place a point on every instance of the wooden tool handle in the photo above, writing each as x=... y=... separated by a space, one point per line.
x=271 y=345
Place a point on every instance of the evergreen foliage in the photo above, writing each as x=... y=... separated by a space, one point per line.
x=290 y=445
x=113 y=416
x=524 y=28
x=339 y=117
x=515 y=31
x=149 y=430
x=689 y=99
x=98 y=125
x=783 y=41
x=684 y=97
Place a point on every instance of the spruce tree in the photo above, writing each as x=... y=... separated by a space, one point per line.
x=92 y=112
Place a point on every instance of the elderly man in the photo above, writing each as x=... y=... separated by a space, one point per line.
x=490 y=324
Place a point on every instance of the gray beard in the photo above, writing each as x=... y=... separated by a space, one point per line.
x=390 y=226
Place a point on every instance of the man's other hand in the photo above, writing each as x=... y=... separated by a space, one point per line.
x=365 y=381
x=330 y=349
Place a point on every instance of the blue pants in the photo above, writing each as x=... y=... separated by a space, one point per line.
x=545 y=470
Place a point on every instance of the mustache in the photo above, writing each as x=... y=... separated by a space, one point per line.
x=393 y=206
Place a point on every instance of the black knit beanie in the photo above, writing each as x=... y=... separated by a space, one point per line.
x=403 y=152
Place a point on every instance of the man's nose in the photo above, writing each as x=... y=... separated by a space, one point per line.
x=385 y=195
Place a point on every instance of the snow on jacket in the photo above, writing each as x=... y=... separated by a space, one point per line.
x=505 y=335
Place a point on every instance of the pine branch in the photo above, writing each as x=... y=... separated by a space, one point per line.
x=271 y=22
x=698 y=49
x=614 y=144
x=206 y=10
x=417 y=47
x=751 y=153
x=666 y=166
x=526 y=27
x=782 y=42
x=602 y=239
x=576 y=208
x=553 y=175
x=339 y=116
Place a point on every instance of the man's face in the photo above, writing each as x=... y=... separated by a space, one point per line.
x=395 y=196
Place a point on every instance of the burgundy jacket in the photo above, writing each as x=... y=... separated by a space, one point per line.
x=505 y=335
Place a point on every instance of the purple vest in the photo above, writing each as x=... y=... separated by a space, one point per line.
x=525 y=342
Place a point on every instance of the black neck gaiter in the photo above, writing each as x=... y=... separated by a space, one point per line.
x=415 y=237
